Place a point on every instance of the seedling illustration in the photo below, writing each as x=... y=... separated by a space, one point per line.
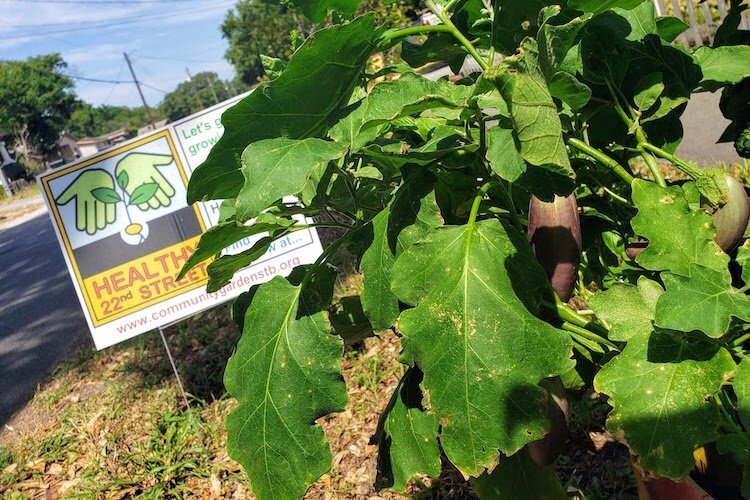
x=140 y=184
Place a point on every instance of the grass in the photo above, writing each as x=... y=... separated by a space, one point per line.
x=113 y=424
x=29 y=192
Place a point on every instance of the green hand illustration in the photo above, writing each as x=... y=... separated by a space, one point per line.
x=137 y=169
x=91 y=213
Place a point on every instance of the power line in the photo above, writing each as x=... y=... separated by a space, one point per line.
x=97 y=80
x=152 y=87
x=141 y=19
x=112 y=89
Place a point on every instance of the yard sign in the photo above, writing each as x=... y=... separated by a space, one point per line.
x=125 y=230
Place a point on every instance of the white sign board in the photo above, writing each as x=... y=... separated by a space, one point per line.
x=125 y=230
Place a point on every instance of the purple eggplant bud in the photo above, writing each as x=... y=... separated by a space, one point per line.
x=555 y=233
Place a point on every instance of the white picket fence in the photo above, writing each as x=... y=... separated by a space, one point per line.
x=703 y=17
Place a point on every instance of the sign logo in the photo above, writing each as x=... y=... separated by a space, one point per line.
x=141 y=186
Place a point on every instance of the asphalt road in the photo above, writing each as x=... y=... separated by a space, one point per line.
x=703 y=125
x=40 y=316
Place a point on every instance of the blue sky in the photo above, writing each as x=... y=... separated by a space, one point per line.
x=162 y=37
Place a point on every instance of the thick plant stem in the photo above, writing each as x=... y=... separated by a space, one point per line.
x=477 y=201
x=680 y=164
x=648 y=158
x=416 y=30
x=582 y=332
x=602 y=158
x=514 y=218
x=456 y=33
x=567 y=314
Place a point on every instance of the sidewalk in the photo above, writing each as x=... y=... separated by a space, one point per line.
x=19 y=211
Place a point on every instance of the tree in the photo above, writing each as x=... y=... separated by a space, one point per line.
x=36 y=101
x=90 y=121
x=254 y=27
x=204 y=90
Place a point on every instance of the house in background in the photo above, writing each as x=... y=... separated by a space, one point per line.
x=148 y=128
x=67 y=148
x=92 y=145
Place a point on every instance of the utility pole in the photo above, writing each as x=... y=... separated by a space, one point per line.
x=213 y=90
x=138 y=86
x=195 y=89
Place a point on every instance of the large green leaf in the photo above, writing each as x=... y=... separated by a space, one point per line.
x=222 y=235
x=274 y=168
x=660 y=388
x=629 y=309
x=504 y=158
x=284 y=374
x=741 y=386
x=555 y=41
x=317 y=81
x=378 y=302
x=648 y=90
x=221 y=270
x=412 y=213
x=519 y=477
x=408 y=95
x=534 y=114
x=678 y=236
x=407 y=436
x=481 y=350
x=704 y=300
x=723 y=65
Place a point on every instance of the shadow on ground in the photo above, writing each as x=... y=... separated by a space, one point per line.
x=40 y=316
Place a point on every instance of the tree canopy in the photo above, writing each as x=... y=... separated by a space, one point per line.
x=189 y=97
x=37 y=101
x=90 y=121
x=254 y=27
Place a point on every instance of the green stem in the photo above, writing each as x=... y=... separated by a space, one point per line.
x=733 y=425
x=648 y=158
x=416 y=30
x=350 y=188
x=323 y=257
x=508 y=199
x=571 y=316
x=456 y=33
x=477 y=201
x=602 y=158
x=744 y=288
x=582 y=332
x=741 y=340
x=680 y=164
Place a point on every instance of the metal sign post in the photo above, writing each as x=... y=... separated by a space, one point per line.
x=177 y=376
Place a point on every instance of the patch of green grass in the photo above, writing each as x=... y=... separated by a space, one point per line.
x=29 y=192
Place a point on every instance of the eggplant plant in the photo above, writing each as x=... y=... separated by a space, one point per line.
x=476 y=209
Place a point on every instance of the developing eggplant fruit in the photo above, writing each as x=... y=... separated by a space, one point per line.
x=546 y=450
x=731 y=219
x=633 y=249
x=555 y=233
